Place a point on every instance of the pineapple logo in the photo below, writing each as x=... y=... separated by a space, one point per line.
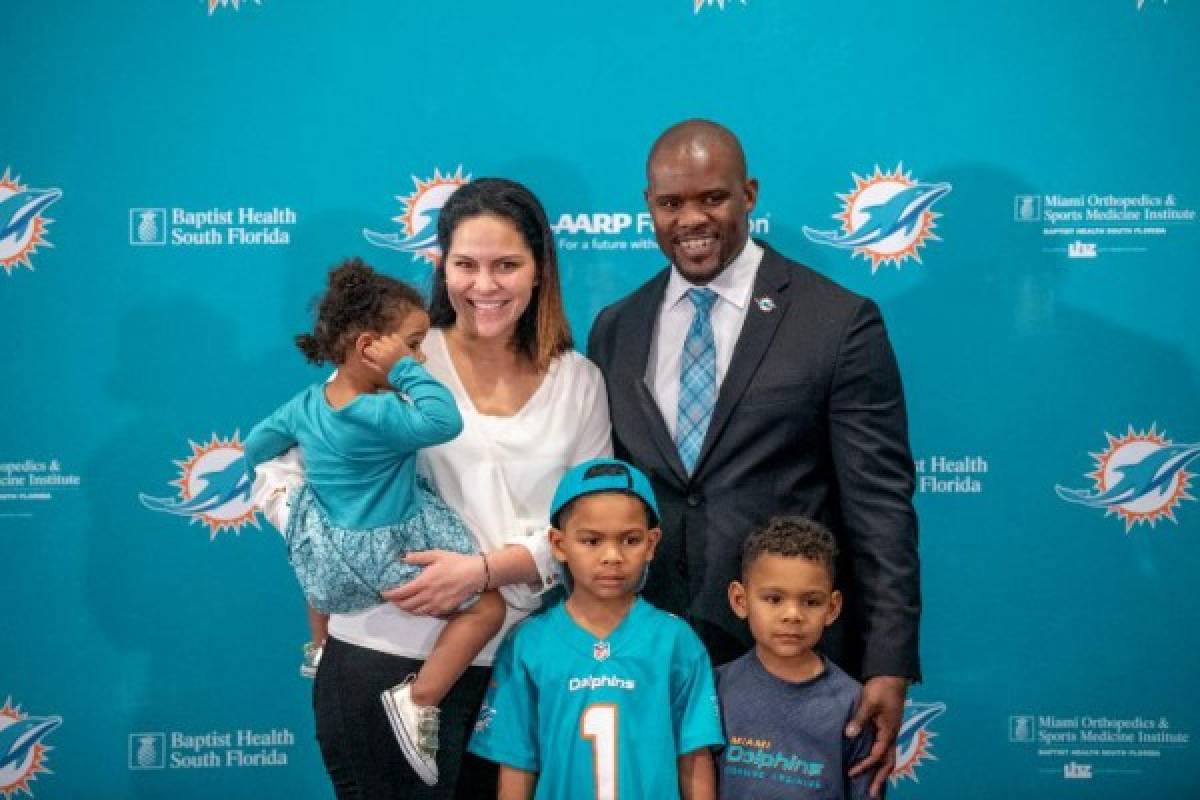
x=147 y=753
x=147 y=750
x=147 y=226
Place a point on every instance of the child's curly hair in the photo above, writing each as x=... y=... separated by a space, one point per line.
x=358 y=299
x=792 y=537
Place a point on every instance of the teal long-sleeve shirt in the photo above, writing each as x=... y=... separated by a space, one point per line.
x=360 y=460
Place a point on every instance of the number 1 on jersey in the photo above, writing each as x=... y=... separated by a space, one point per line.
x=599 y=725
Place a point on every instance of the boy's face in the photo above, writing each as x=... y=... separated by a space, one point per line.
x=606 y=544
x=788 y=602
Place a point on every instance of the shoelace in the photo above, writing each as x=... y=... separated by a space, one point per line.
x=428 y=724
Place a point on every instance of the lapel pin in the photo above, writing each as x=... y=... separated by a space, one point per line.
x=765 y=304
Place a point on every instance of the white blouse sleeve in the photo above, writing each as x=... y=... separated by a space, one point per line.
x=275 y=482
x=592 y=438
x=595 y=435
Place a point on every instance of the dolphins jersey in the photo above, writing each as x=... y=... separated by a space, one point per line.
x=603 y=719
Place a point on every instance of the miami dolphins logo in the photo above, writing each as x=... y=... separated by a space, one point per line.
x=886 y=218
x=214 y=488
x=486 y=715
x=22 y=226
x=699 y=4
x=914 y=744
x=22 y=753
x=213 y=5
x=1140 y=477
x=419 y=216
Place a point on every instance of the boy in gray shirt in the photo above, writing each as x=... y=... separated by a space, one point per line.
x=785 y=706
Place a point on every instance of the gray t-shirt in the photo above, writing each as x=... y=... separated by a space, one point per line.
x=785 y=739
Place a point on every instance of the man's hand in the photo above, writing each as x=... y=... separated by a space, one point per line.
x=447 y=580
x=882 y=705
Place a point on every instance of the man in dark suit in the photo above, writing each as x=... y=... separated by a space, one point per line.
x=748 y=386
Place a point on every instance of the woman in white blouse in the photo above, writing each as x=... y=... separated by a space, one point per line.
x=532 y=407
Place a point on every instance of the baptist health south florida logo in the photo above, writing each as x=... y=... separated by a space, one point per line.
x=914 y=743
x=239 y=748
x=418 y=216
x=22 y=226
x=214 y=488
x=1140 y=477
x=886 y=218
x=22 y=751
x=242 y=226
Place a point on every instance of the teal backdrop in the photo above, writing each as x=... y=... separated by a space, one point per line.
x=1015 y=183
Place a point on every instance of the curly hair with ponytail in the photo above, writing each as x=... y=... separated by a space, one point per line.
x=358 y=299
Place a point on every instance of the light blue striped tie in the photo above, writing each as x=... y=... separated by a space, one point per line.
x=697 y=379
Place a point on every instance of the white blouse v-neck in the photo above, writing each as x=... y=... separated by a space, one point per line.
x=499 y=474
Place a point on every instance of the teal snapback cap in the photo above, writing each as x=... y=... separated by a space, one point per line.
x=603 y=475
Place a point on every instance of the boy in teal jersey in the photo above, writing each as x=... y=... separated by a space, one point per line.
x=602 y=696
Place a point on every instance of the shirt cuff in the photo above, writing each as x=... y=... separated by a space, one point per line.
x=534 y=539
x=403 y=371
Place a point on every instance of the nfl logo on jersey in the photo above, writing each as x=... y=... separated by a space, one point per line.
x=600 y=651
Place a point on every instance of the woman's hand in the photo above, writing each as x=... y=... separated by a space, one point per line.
x=447 y=580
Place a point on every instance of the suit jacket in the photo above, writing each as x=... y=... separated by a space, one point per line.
x=809 y=420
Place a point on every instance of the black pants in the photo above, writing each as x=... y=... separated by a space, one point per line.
x=358 y=746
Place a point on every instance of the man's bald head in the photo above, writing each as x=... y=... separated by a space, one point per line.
x=698 y=135
x=699 y=198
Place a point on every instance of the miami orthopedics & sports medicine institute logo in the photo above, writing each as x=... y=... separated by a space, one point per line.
x=22 y=750
x=1140 y=477
x=22 y=224
x=914 y=743
x=699 y=4
x=418 y=216
x=214 y=488
x=886 y=218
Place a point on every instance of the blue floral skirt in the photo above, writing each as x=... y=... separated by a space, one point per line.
x=344 y=569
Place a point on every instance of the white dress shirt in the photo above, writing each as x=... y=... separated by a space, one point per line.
x=733 y=287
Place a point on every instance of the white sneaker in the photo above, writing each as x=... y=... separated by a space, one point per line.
x=416 y=729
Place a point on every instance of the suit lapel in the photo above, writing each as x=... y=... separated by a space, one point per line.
x=636 y=338
x=768 y=306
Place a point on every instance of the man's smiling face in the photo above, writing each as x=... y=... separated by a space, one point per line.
x=700 y=200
